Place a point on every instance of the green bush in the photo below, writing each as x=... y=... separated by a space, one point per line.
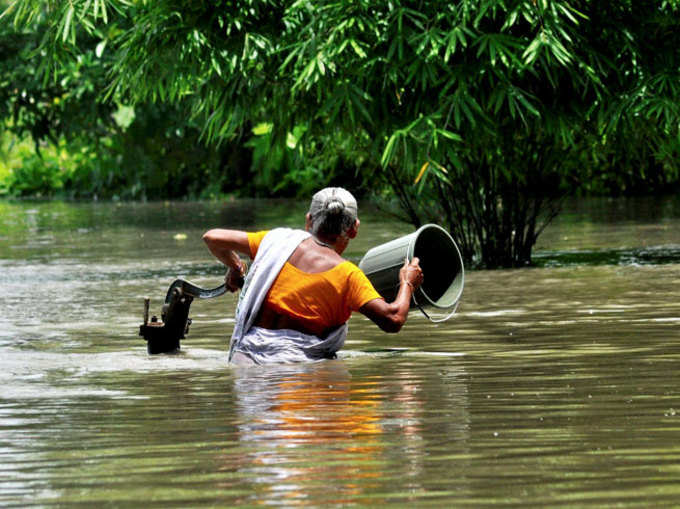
x=36 y=177
x=28 y=171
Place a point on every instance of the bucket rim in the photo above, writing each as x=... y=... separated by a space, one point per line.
x=411 y=253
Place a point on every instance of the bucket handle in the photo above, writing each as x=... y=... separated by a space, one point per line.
x=455 y=307
x=439 y=320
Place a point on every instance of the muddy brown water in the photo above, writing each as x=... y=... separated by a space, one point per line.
x=556 y=385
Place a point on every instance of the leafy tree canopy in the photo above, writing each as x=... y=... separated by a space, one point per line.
x=477 y=113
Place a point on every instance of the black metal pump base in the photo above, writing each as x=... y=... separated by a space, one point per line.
x=164 y=336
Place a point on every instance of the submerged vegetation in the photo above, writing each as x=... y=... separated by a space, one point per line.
x=479 y=115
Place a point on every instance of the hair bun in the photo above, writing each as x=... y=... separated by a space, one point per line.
x=335 y=206
x=332 y=212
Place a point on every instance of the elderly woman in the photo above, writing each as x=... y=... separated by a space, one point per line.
x=299 y=291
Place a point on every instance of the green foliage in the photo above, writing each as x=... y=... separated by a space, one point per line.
x=105 y=149
x=480 y=114
x=48 y=102
x=23 y=172
x=152 y=159
x=296 y=169
x=49 y=172
x=487 y=107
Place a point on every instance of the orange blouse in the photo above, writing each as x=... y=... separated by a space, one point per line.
x=317 y=300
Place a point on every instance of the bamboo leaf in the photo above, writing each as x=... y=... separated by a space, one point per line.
x=389 y=150
x=421 y=172
x=103 y=11
x=68 y=19
x=449 y=135
x=358 y=96
x=357 y=49
x=320 y=65
x=531 y=53
x=99 y=50
x=440 y=167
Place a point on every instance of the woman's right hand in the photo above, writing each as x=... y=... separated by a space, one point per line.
x=391 y=316
x=411 y=273
x=234 y=278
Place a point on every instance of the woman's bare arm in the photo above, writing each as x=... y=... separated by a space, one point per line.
x=225 y=246
x=391 y=316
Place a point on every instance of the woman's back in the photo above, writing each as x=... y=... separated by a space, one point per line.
x=312 y=257
x=314 y=292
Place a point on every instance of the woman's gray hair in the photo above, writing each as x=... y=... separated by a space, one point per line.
x=332 y=212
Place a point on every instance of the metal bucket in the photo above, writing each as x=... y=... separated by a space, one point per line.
x=440 y=259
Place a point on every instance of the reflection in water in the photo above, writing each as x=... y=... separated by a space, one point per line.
x=297 y=419
x=119 y=427
x=313 y=434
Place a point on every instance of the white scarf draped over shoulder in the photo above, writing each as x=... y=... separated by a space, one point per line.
x=280 y=345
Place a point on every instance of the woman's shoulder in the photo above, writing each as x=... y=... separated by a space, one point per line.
x=274 y=238
x=254 y=241
x=348 y=269
x=347 y=266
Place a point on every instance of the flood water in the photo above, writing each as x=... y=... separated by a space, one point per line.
x=556 y=385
